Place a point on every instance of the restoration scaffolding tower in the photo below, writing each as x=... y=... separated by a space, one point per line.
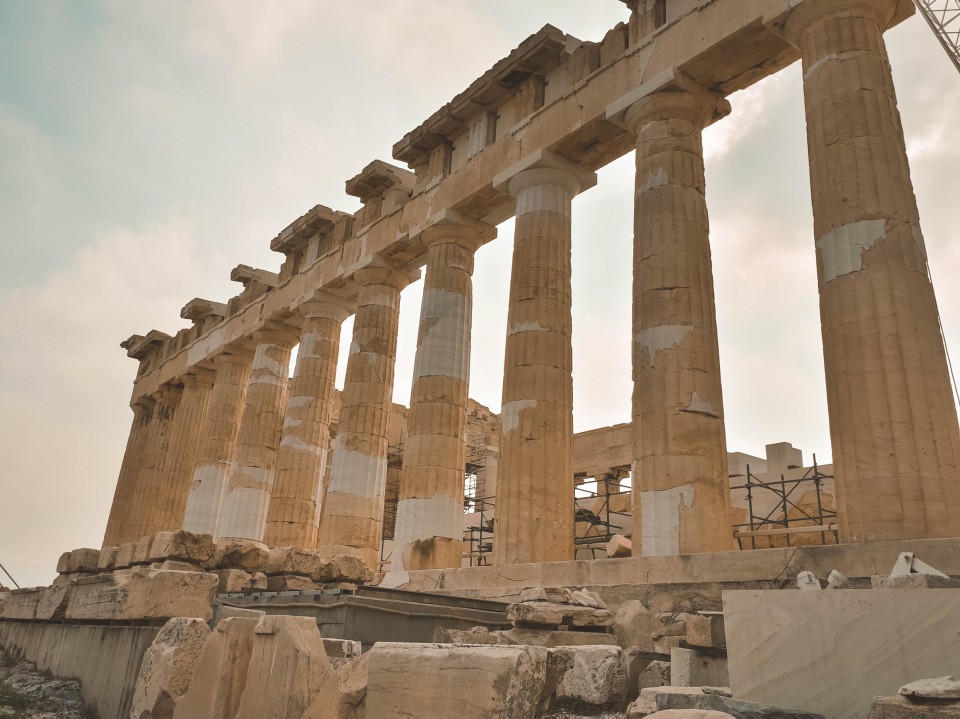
x=943 y=17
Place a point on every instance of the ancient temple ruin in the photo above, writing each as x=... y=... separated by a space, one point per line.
x=226 y=441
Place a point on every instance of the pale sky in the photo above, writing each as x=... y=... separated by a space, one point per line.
x=147 y=147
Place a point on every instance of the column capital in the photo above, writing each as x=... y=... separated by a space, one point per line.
x=385 y=271
x=805 y=13
x=234 y=355
x=450 y=227
x=142 y=406
x=198 y=377
x=277 y=333
x=167 y=394
x=326 y=305
x=671 y=94
x=545 y=167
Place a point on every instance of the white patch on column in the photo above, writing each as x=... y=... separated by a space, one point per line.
x=266 y=379
x=820 y=63
x=510 y=413
x=308 y=345
x=298 y=445
x=265 y=363
x=655 y=339
x=656 y=179
x=299 y=401
x=700 y=406
x=383 y=300
x=356 y=473
x=660 y=512
x=526 y=327
x=544 y=198
x=419 y=519
x=203 y=503
x=842 y=249
x=444 y=346
x=289 y=422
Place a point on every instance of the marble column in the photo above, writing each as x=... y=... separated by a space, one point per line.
x=217 y=442
x=129 y=468
x=534 y=515
x=353 y=511
x=893 y=422
x=429 y=529
x=246 y=497
x=180 y=458
x=681 y=494
x=294 y=513
x=150 y=477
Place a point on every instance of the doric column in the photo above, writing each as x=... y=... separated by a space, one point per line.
x=534 y=519
x=680 y=481
x=178 y=464
x=429 y=529
x=218 y=436
x=129 y=468
x=294 y=512
x=150 y=478
x=893 y=423
x=353 y=513
x=246 y=497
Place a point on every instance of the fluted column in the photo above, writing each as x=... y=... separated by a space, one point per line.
x=294 y=513
x=218 y=436
x=429 y=529
x=246 y=498
x=680 y=479
x=150 y=477
x=893 y=423
x=353 y=513
x=129 y=468
x=178 y=464
x=534 y=519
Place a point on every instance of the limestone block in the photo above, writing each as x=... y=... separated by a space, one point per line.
x=619 y=546
x=182 y=546
x=293 y=560
x=352 y=676
x=22 y=603
x=237 y=580
x=665 y=645
x=221 y=672
x=467 y=682
x=634 y=625
x=241 y=554
x=586 y=598
x=474 y=635
x=143 y=593
x=914 y=581
x=938 y=689
x=53 y=601
x=558 y=595
x=598 y=676
x=341 y=651
x=706 y=631
x=108 y=559
x=225 y=612
x=737 y=707
x=168 y=668
x=124 y=556
x=899 y=707
x=550 y=638
x=289 y=675
x=657 y=674
x=690 y=668
x=79 y=560
x=4 y=593
x=552 y=614
x=141 y=550
x=290 y=583
x=646 y=703
x=343 y=568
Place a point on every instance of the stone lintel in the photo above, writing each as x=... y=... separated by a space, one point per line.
x=199 y=309
x=294 y=238
x=378 y=177
x=670 y=80
x=244 y=274
x=544 y=159
x=538 y=54
x=139 y=347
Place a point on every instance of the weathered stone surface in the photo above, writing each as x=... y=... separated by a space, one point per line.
x=737 y=707
x=706 y=631
x=290 y=583
x=478 y=682
x=183 y=546
x=688 y=714
x=141 y=550
x=899 y=707
x=293 y=560
x=234 y=580
x=939 y=689
x=914 y=581
x=289 y=675
x=22 y=603
x=143 y=593
x=242 y=554
x=342 y=568
x=657 y=674
x=108 y=559
x=53 y=601
x=79 y=560
x=550 y=638
x=124 y=555
x=474 y=635
x=544 y=594
x=619 y=546
x=690 y=668
x=634 y=625
x=646 y=703
x=221 y=672
x=168 y=668
x=341 y=651
x=552 y=614
x=352 y=676
x=176 y=565
x=586 y=598
x=598 y=676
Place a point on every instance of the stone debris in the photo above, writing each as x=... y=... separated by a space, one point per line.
x=168 y=668
x=526 y=635
x=597 y=677
x=552 y=614
x=26 y=693
x=341 y=651
x=939 y=689
x=619 y=546
x=900 y=707
x=690 y=668
x=352 y=677
x=914 y=581
x=634 y=625
x=657 y=674
x=689 y=714
x=706 y=630
x=182 y=546
x=242 y=554
x=232 y=581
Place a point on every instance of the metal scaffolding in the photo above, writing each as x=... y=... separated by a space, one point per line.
x=943 y=17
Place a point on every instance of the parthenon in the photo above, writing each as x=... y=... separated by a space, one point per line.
x=230 y=438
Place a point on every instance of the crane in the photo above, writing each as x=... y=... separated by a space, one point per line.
x=943 y=17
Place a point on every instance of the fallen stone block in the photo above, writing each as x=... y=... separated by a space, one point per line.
x=552 y=638
x=168 y=668
x=900 y=707
x=937 y=689
x=688 y=714
x=552 y=614
x=290 y=583
x=586 y=598
x=223 y=612
x=22 y=603
x=619 y=546
x=221 y=672
x=79 y=561
x=342 y=568
x=182 y=546
x=914 y=581
x=657 y=674
x=341 y=651
x=558 y=595
x=737 y=707
x=237 y=580
x=646 y=703
x=443 y=680
x=598 y=677
x=143 y=593
x=474 y=635
x=293 y=560
x=634 y=625
x=242 y=554
x=690 y=668
x=706 y=630
x=352 y=677
x=289 y=675
x=53 y=601
x=665 y=645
